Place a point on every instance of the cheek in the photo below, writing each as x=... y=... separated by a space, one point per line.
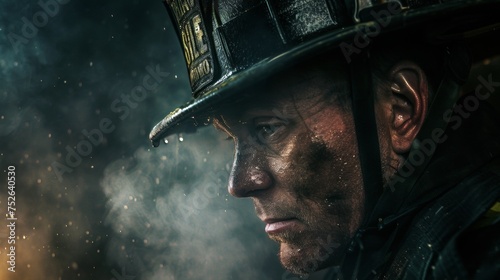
x=327 y=156
x=321 y=175
x=330 y=126
x=318 y=171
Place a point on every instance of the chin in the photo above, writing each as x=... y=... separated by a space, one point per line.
x=305 y=259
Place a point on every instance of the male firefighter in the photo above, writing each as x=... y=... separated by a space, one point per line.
x=352 y=126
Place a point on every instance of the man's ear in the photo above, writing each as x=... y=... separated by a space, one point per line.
x=409 y=102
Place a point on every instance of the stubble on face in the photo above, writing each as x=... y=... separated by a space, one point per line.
x=316 y=189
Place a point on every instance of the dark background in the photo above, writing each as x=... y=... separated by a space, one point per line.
x=125 y=210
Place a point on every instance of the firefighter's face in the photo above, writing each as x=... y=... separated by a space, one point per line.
x=296 y=157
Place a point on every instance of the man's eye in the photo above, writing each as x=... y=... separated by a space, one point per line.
x=268 y=130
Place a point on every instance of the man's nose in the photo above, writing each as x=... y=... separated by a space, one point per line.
x=248 y=175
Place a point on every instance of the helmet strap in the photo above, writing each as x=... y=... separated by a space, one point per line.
x=363 y=108
x=366 y=129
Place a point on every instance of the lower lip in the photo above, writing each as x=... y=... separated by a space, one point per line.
x=280 y=226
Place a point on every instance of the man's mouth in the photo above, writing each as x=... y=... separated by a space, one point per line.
x=276 y=226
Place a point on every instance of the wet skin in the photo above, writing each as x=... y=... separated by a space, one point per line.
x=296 y=157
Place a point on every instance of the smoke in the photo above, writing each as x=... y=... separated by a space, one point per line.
x=174 y=218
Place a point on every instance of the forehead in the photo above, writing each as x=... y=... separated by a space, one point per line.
x=297 y=87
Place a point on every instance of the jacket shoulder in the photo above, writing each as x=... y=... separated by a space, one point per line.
x=447 y=240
